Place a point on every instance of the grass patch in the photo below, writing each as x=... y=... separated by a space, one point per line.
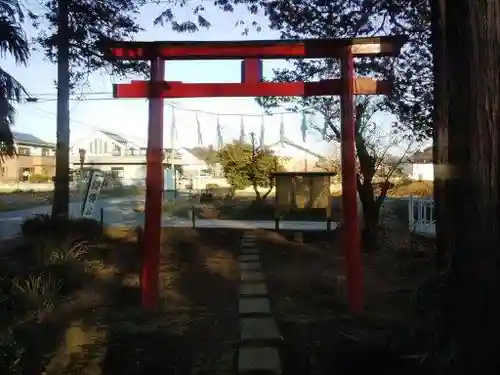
x=70 y=302
x=412 y=188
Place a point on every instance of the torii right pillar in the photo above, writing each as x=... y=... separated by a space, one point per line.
x=351 y=232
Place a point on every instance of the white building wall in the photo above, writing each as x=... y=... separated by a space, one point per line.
x=423 y=172
x=97 y=144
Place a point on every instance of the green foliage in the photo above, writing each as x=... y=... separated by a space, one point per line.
x=207 y=196
x=13 y=42
x=59 y=228
x=39 y=178
x=91 y=23
x=208 y=154
x=244 y=167
x=412 y=73
x=37 y=294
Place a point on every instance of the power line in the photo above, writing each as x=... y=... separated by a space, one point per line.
x=178 y=107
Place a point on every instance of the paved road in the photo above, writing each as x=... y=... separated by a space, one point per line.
x=116 y=210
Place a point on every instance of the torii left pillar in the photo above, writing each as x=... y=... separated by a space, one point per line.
x=154 y=189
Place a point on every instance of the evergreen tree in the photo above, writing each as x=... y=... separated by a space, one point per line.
x=71 y=33
x=13 y=42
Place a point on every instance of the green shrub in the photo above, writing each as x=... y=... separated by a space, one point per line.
x=11 y=354
x=47 y=226
x=211 y=186
x=52 y=252
x=39 y=178
x=37 y=295
x=261 y=210
x=207 y=196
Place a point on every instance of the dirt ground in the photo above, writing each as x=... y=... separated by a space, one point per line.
x=99 y=328
x=102 y=329
x=307 y=288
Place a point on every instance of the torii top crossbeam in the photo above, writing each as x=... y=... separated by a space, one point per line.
x=258 y=49
x=252 y=53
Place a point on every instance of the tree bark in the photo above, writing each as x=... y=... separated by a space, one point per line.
x=365 y=187
x=471 y=31
x=370 y=216
x=60 y=205
x=440 y=144
x=264 y=197
x=257 y=192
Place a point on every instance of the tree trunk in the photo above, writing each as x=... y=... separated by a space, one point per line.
x=371 y=210
x=365 y=187
x=264 y=197
x=440 y=144
x=257 y=193
x=472 y=42
x=60 y=205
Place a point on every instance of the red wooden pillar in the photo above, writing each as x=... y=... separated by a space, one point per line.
x=351 y=232
x=154 y=190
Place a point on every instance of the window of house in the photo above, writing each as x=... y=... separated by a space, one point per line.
x=116 y=150
x=3 y=171
x=105 y=147
x=117 y=172
x=24 y=151
x=45 y=152
x=91 y=147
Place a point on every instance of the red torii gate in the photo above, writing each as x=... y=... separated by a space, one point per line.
x=252 y=53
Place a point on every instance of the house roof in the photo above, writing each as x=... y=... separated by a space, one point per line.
x=191 y=156
x=422 y=157
x=30 y=139
x=116 y=137
x=290 y=143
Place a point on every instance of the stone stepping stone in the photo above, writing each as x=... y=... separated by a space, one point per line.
x=249 y=258
x=252 y=276
x=252 y=250
x=249 y=244
x=250 y=266
x=264 y=359
x=253 y=289
x=258 y=328
x=254 y=306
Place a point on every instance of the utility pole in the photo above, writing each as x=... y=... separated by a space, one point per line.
x=60 y=205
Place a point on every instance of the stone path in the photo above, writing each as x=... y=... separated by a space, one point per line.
x=259 y=336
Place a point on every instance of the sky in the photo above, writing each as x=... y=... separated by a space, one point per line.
x=129 y=117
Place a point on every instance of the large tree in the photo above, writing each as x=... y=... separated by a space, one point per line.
x=375 y=161
x=13 y=42
x=76 y=29
x=411 y=99
x=245 y=165
x=467 y=36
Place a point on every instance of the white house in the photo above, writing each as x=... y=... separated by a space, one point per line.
x=126 y=159
x=300 y=158
x=420 y=166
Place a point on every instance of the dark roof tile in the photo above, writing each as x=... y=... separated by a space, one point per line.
x=30 y=139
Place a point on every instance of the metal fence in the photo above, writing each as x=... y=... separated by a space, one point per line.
x=421 y=216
